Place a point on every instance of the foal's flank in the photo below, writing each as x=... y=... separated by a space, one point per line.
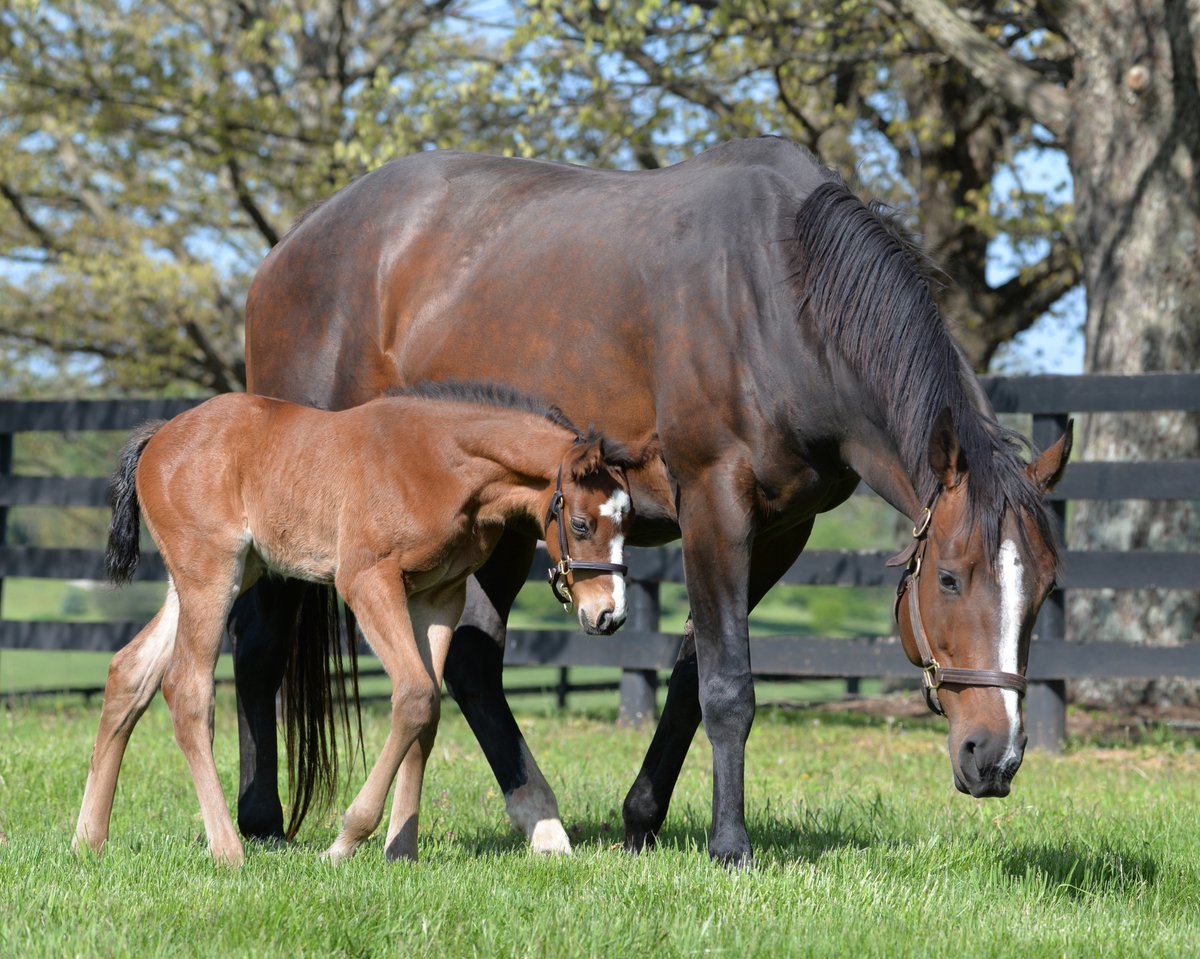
x=395 y=503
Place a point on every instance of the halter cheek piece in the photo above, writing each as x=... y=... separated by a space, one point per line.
x=933 y=674
x=560 y=575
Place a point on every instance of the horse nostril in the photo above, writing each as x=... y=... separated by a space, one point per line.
x=604 y=622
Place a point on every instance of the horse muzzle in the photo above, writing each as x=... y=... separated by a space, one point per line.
x=986 y=764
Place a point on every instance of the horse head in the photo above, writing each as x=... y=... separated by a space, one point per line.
x=966 y=610
x=592 y=511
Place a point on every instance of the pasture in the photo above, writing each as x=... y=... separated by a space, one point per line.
x=862 y=848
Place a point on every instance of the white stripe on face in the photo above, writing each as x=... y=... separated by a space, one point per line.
x=1012 y=607
x=616 y=509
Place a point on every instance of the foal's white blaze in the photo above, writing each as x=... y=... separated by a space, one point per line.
x=1012 y=607
x=616 y=509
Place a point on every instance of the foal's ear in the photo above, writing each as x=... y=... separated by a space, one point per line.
x=946 y=458
x=1048 y=469
x=586 y=458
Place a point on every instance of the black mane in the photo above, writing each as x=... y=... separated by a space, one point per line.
x=865 y=283
x=487 y=394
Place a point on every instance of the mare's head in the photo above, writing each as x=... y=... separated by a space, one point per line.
x=978 y=571
x=586 y=522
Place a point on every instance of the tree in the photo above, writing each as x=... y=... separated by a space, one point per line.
x=151 y=151
x=853 y=82
x=1129 y=121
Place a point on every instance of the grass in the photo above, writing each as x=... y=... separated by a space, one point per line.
x=862 y=848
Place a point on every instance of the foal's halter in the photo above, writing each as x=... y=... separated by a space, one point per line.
x=933 y=674
x=560 y=575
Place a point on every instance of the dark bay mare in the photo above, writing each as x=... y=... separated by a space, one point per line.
x=395 y=503
x=779 y=338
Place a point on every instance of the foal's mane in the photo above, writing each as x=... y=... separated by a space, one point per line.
x=500 y=395
x=866 y=285
x=487 y=394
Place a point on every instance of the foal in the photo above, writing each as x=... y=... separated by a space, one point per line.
x=395 y=503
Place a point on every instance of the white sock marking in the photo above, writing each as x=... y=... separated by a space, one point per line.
x=1012 y=605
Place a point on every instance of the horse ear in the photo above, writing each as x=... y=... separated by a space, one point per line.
x=587 y=457
x=1048 y=469
x=946 y=458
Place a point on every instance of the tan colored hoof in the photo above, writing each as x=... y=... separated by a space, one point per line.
x=549 y=838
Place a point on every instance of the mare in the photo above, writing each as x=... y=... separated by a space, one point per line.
x=775 y=332
x=395 y=503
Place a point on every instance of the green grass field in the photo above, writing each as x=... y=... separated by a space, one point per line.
x=863 y=848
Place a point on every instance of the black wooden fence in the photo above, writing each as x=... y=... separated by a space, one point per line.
x=640 y=650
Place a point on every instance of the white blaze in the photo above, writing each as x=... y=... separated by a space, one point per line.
x=1012 y=607
x=616 y=509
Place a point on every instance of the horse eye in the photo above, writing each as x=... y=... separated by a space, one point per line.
x=579 y=526
x=948 y=582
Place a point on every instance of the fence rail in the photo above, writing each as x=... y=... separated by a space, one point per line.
x=640 y=650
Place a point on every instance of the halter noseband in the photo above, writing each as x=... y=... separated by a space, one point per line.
x=560 y=575
x=933 y=674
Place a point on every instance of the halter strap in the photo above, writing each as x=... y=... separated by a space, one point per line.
x=933 y=674
x=560 y=574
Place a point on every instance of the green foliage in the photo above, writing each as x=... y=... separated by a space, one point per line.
x=862 y=848
x=151 y=152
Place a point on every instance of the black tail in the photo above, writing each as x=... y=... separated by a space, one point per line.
x=124 y=531
x=315 y=700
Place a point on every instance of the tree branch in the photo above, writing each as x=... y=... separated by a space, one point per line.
x=1010 y=79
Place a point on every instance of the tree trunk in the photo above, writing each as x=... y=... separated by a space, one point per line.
x=1134 y=146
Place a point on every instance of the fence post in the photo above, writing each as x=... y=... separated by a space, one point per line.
x=6 y=455
x=1046 y=701
x=639 y=687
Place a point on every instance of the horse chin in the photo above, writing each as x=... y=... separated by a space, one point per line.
x=992 y=788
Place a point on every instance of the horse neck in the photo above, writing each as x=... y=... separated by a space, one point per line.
x=518 y=464
x=879 y=446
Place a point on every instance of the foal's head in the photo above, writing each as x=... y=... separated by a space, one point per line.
x=586 y=523
x=977 y=575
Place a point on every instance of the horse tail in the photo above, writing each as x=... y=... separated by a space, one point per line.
x=316 y=701
x=124 y=531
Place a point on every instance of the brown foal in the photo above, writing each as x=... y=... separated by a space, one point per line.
x=395 y=503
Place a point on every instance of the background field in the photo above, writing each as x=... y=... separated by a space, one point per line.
x=862 y=846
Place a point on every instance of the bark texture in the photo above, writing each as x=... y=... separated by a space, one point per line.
x=1134 y=147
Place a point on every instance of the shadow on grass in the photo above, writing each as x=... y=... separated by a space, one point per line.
x=1079 y=871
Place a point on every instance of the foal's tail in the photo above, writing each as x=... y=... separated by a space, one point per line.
x=121 y=557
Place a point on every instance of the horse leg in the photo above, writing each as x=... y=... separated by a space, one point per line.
x=133 y=679
x=262 y=625
x=204 y=604
x=474 y=671
x=646 y=804
x=378 y=599
x=433 y=617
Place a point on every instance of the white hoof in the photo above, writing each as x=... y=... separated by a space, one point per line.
x=549 y=838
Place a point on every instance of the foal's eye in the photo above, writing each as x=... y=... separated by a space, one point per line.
x=579 y=526
x=948 y=583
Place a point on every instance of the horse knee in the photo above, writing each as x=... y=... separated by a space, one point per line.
x=417 y=706
x=727 y=705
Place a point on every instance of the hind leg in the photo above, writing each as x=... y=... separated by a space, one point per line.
x=188 y=689
x=262 y=625
x=133 y=679
x=435 y=618
x=379 y=602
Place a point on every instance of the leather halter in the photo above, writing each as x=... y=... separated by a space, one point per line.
x=560 y=575
x=933 y=674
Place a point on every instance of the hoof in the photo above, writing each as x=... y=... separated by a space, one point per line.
x=549 y=838
x=337 y=853
x=637 y=842
x=737 y=858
